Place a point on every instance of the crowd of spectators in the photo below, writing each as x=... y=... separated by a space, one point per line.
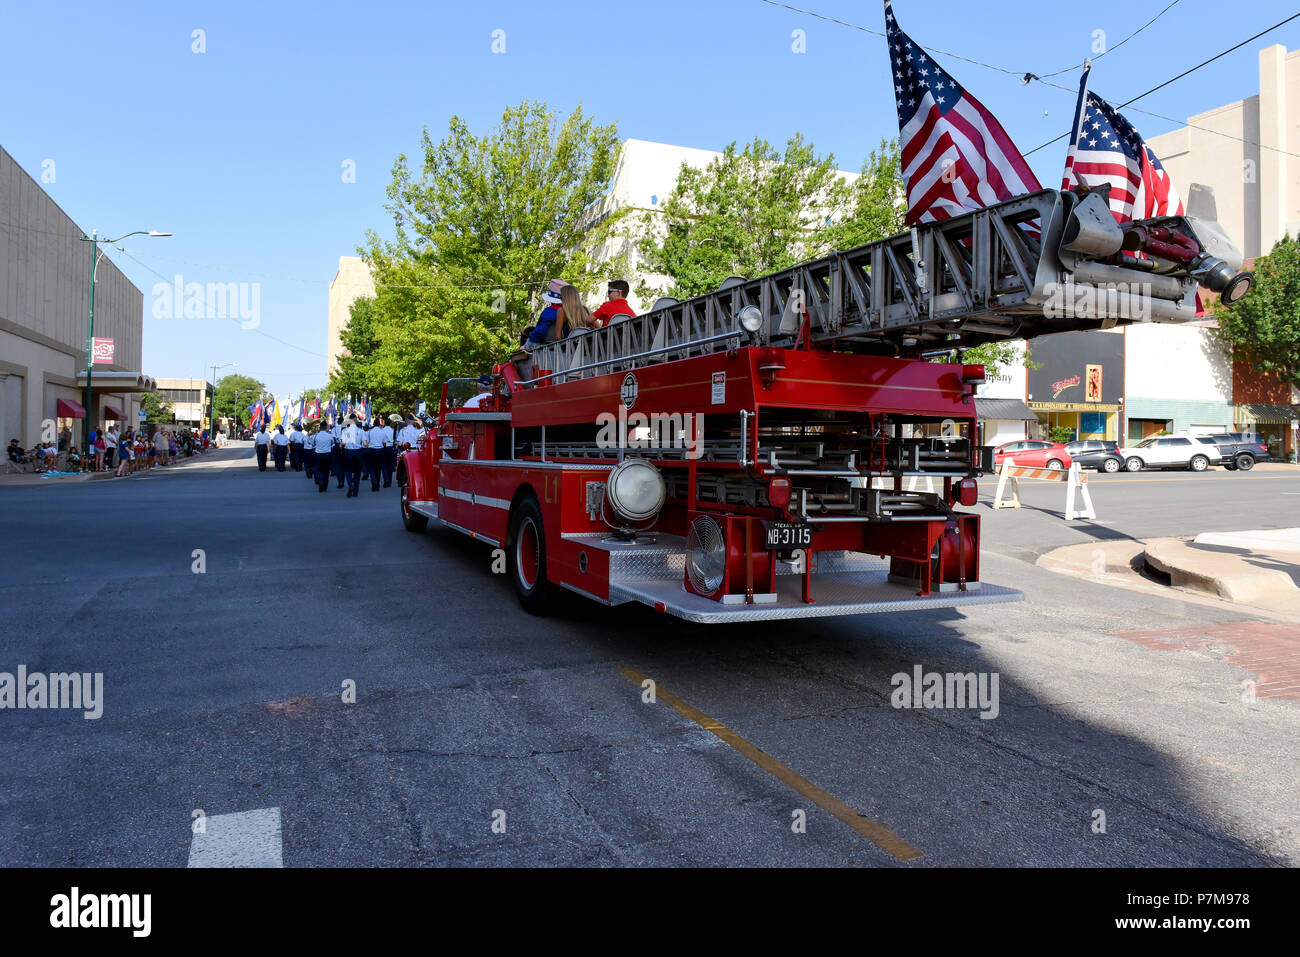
x=123 y=453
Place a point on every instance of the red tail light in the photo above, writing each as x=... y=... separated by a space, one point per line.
x=968 y=492
x=778 y=492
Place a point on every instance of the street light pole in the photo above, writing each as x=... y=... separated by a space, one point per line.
x=95 y=256
x=212 y=407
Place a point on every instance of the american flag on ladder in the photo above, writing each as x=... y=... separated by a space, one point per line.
x=1105 y=148
x=956 y=156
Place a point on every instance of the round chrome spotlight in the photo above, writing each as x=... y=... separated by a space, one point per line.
x=635 y=490
x=750 y=319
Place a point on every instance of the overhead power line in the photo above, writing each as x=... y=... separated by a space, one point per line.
x=1028 y=76
x=1198 y=66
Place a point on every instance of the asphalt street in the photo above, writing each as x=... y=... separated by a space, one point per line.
x=481 y=735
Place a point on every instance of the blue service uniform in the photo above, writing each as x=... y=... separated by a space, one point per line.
x=385 y=452
x=263 y=442
x=336 y=457
x=279 y=449
x=322 y=449
x=369 y=462
x=353 y=436
x=296 y=443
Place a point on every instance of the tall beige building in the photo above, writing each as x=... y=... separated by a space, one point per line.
x=44 y=322
x=352 y=282
x=1249 y=152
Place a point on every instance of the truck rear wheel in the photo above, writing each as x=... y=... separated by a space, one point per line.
x=526 y=557
x=413 y=521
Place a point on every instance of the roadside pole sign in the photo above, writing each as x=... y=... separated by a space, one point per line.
x=102 y=351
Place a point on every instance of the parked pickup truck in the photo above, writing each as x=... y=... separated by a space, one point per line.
x=1241 y=450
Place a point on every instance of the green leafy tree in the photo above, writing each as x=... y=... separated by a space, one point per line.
x=749 y=212
x=1264 y=326
x=479 y=227
x=156 y=409
x=360 y=368
x=233 y=394
x=992 y=356
x=877 y=201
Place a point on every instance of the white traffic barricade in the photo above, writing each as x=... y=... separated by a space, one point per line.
x=1076 y=485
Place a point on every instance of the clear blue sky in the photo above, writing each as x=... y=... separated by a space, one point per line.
x=238 y=151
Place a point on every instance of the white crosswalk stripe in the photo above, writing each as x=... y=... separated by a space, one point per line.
x=244 y=839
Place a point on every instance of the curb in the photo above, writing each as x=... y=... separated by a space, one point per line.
x=1226 y=576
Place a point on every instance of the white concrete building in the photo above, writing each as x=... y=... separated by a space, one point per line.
x=644 y=178
x=1244 y=151
x=352 y=282
x=1176 y=378
x=1000 y=402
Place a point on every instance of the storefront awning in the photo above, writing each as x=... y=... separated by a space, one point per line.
x=113 y=412
x=1265 y=413
x=118 y=381
x=67 y=409
x=1012 y=409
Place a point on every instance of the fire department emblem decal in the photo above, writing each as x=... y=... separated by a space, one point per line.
x=628 y=393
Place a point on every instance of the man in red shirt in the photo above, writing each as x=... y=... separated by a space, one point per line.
x=615 y=304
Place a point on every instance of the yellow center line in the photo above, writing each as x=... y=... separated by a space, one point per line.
x=878 y=834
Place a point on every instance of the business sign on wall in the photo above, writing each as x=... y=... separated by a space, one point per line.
x=1083 y=370
x=101 y=351
x=1008 y=382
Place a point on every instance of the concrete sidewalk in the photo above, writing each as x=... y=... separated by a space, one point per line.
x=219 y=458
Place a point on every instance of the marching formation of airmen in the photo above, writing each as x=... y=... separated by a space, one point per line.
x=347 y=450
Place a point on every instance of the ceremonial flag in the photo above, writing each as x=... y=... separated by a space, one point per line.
x=330 y=411
x=313 y=410
x=1105 y=148
x=273 y=413
x=956 y=157
x=255 y=414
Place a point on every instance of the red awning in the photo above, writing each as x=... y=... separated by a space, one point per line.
x=71 y=410
x=113 y=412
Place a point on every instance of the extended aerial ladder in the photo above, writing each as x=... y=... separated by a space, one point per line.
x=755 y=452
x=1049 y=261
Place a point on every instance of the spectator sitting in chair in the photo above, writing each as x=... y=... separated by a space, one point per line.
x=17 y=455
x=40 y=458
x=74 y=459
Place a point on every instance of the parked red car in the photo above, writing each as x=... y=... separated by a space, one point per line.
x=1033 y=454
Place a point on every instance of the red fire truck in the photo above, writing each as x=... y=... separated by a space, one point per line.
x=759 y=452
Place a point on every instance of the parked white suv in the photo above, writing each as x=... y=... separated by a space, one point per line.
x=1170 y=452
